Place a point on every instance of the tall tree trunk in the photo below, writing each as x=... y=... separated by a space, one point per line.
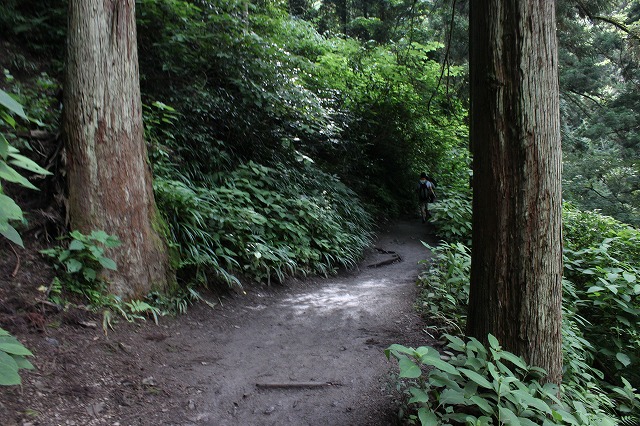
x=516 y=271
x=108 y=175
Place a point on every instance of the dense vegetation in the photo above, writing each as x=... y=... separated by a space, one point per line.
x=601 y=348
x=278 y=137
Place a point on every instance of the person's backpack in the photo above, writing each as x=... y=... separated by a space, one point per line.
x=425 y=194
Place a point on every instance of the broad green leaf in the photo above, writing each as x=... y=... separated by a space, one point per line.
x=630 y=278
x=9 y=174
x=27 y=164
x=613 y=288
x=455 y=343
x=11 y=104
x=89 y=274
x=108 y=263
x=476 y=378
x=440 y=364
x=442 y=379
x=96 y=251
x=23 y=362
x=509 y=417
x=419 y=395
x=452 y=397
x=76 y=235
x=565 y=416
x=9 y=210
x=100 y=236
x=4 y=332
x=425 y=351
x=483 y=404
x=408 y=368
x=532 y=401
x=581 y=411
x=623 y=358
x=595 y=289
x=4 y=115
x=4 y=147
x=76 y=245
x=10 y=233
x=461 y=418
x=9 y=376
x=427 y=417
x=493 y=342
x=515 y=360
x=396 y=349
x=8 y=360
x=16 y=349
x=73 y=265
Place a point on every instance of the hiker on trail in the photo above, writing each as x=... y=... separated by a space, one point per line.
x=426 y=194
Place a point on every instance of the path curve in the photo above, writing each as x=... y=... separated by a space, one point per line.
x=307 y=353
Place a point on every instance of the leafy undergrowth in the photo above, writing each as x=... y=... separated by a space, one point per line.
x=601 y=344
x=264 y=224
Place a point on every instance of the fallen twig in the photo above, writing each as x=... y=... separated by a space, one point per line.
x=296 y=385
x=15 y=270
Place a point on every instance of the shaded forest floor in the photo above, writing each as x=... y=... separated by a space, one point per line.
x=309 y=352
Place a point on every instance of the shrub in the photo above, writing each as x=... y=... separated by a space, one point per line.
x=602 y=263
x=78 y=265
x=264 y=223
x=452 y=218
x=484 y=386
x=445 y=287
x=600 y=312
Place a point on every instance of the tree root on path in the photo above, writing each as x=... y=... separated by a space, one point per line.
x=395 y=257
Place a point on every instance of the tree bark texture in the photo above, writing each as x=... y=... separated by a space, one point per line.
x=516 y=271
x=110 y=183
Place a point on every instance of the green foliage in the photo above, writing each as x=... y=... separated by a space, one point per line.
x=273 y=89
x=10 y=157
x=37 y=93
x=264 y=223
x=600 y=311
x=602 y=258
x=135 y=309
x=599 y=79
x=485 y=386
x=452 y=217
x=78 y=265
x=41 y=24
x=12 y=358
x=444 y=287
x=78 y=268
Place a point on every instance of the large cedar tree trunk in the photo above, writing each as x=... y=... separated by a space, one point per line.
x=516 y=271
x=109 y=180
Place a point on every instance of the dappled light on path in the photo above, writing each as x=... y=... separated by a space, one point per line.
x=356 y=295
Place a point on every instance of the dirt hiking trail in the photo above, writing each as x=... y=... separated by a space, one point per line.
x=309 y=352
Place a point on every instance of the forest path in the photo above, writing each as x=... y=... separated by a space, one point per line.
x=322 y=339
x=310 y=353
